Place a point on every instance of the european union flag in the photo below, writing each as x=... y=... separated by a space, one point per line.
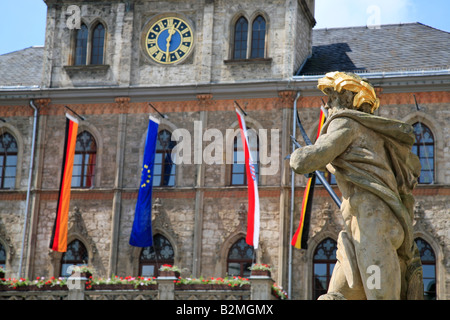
x=141 y=234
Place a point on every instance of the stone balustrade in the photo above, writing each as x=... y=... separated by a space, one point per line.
x=260 y=288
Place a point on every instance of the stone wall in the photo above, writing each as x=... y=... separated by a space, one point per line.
x=126 y=63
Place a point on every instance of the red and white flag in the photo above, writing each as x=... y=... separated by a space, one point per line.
x=253 y=197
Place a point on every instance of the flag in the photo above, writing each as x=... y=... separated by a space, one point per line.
x=58 y=241
x=253 y=197
x=300 y=238
x=141 y=233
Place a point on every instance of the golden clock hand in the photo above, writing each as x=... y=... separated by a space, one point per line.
x=169 y=38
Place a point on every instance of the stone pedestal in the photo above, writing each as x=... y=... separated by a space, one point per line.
x=261 y=287
x=166 y=288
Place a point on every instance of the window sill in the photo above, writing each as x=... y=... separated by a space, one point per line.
x=96 y=68
x=249 y=61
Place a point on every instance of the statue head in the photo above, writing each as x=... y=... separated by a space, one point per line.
x=352 y=91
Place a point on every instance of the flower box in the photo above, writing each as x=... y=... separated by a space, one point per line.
x=169 y=273
x=261 y=273
x=86 y=275
x=50 y=288
x=122 y=286
x=211 y=287
x=112 y=286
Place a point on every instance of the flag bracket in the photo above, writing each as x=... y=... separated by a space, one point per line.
x=242 y=110
x=81 y=117
x=162 y=115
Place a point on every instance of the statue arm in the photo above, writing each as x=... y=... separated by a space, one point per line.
x=329 y=146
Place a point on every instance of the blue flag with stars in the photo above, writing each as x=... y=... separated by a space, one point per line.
x=141 y=234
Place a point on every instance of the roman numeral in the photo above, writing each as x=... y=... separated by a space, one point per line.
x=187 y=39
x=152 y=50
x=184 y=48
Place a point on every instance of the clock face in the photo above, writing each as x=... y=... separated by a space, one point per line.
x=169 y=40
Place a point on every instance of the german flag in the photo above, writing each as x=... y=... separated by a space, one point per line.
x=59 y=235
x=300 y=238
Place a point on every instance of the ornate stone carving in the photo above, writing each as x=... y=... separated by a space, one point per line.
x=205 y=100
x=11 y=251
x=160 y=219
x=325 y=221
x=122 y=102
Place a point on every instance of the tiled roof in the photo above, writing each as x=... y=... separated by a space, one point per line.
x=22 y=68
x=401 y=47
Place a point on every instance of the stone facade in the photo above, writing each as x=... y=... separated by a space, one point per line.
x=203 y=215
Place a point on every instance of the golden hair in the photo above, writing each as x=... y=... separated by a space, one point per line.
x=339 y=81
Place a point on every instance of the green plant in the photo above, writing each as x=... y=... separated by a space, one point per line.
x=260 y=266
x=84 y=269
x=279 y=292
x=135 y=281
x=168 y=267
x=230 y=281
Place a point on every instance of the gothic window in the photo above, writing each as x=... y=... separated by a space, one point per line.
x=8 y=161
x=324 y=261
x=76 y=254
x=240 y=39
x=164 y=167
x=249 y=35
x=240 y=257
x=81 y=45
x=238 y=171
x=428 y=259
x=258 y=37
x=152 y=258
x=98 y=40
x=84 y=161
x=424 y=149
x=2 y=256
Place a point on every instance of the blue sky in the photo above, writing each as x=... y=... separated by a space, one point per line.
x=22 y=22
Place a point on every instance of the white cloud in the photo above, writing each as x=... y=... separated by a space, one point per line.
x=345 y=13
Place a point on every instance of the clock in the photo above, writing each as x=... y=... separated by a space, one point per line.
x=169 y=40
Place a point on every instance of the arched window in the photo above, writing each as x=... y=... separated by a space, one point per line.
x=240 y=39
x=8 y=161
x=164 y=167
x=98 y=41
x=81 y=45
x=84 y=161
x=239 y=259
x=324 y=261
x=428 y=259
x=152 y=258
x=2 y=256
x=76 y=254
x=424 y=149
x=258 y=37
x=238 y=172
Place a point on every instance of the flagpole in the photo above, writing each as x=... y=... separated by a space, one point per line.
x=27 y=202
x=291 y=231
